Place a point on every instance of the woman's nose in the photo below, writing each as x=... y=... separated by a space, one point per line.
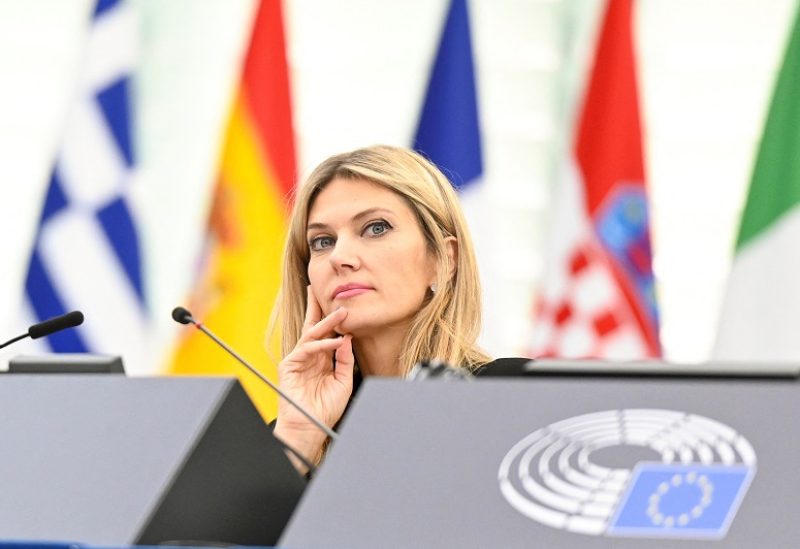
x=345 y=253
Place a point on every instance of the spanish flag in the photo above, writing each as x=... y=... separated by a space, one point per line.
x=240 y=272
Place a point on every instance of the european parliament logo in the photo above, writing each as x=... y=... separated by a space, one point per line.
x=688 y=474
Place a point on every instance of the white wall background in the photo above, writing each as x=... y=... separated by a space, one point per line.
x=359 y=71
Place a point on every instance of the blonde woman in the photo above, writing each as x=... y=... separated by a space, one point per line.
x=379 y=274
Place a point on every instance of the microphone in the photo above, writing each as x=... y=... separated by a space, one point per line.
x=183 y=316
x=50 y=326
x=56 y=324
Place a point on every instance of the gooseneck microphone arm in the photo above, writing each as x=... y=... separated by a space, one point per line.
x=49 y=326
x=183 y=316
x=13 y=340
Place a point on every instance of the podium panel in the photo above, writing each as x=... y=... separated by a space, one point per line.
x=560 y=462
x=111 y=460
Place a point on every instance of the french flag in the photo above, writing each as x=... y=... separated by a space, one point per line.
x=449 y=135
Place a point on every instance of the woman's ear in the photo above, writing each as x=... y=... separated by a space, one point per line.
x=451 y=247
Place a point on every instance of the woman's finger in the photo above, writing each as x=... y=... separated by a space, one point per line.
x=324 y=327
x=308 y=349
x=313 y=310
x=345 y=361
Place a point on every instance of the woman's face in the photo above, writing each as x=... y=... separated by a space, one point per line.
x=367 y=254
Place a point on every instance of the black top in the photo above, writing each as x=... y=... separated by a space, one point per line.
x=503 y=367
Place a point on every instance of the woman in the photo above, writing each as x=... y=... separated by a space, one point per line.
x=379 y=274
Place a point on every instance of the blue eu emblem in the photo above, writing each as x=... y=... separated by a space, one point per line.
x=692 y=501
x=555 y=477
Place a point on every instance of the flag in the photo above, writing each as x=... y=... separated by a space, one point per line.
x=449 y=135
x=449 y=132
x=240 y=273
x=761 y=313
x=86 y=253
x=597 y=298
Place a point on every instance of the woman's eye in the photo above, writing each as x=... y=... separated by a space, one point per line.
x=320 y=243
x=377 y=228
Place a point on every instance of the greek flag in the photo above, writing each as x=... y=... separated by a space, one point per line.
x=86 y=254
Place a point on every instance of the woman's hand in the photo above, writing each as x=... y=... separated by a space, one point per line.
x=307 y=374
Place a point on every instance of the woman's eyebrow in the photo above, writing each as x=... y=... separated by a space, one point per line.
x=370 y=211
x=360 y=215
x=315 y=226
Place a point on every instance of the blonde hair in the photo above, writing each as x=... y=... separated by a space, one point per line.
x=447 y=326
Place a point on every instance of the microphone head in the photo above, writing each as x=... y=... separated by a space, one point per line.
x=55 y=324
x=181 y=315
x=72 y=319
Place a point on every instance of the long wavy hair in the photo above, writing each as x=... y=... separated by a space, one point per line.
x=447 y=325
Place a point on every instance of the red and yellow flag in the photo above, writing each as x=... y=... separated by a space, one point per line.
x=249 y=214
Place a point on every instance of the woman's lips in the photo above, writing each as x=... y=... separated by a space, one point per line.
x=350 y=292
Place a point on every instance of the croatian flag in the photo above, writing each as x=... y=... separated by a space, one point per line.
x=449 y=135
x=598 y=298
x=86 y=254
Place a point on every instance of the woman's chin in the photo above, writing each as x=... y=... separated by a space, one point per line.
x=346 y=328
x=354 y=327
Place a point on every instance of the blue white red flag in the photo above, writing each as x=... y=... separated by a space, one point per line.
x=449 y=135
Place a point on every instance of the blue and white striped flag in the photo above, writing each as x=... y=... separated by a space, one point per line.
x=449 y=135
x=86 y=254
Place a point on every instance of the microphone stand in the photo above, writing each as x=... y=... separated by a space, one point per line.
x=324 y=428
x=183 y=316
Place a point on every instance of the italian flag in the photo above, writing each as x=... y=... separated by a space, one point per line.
x=761 y=314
